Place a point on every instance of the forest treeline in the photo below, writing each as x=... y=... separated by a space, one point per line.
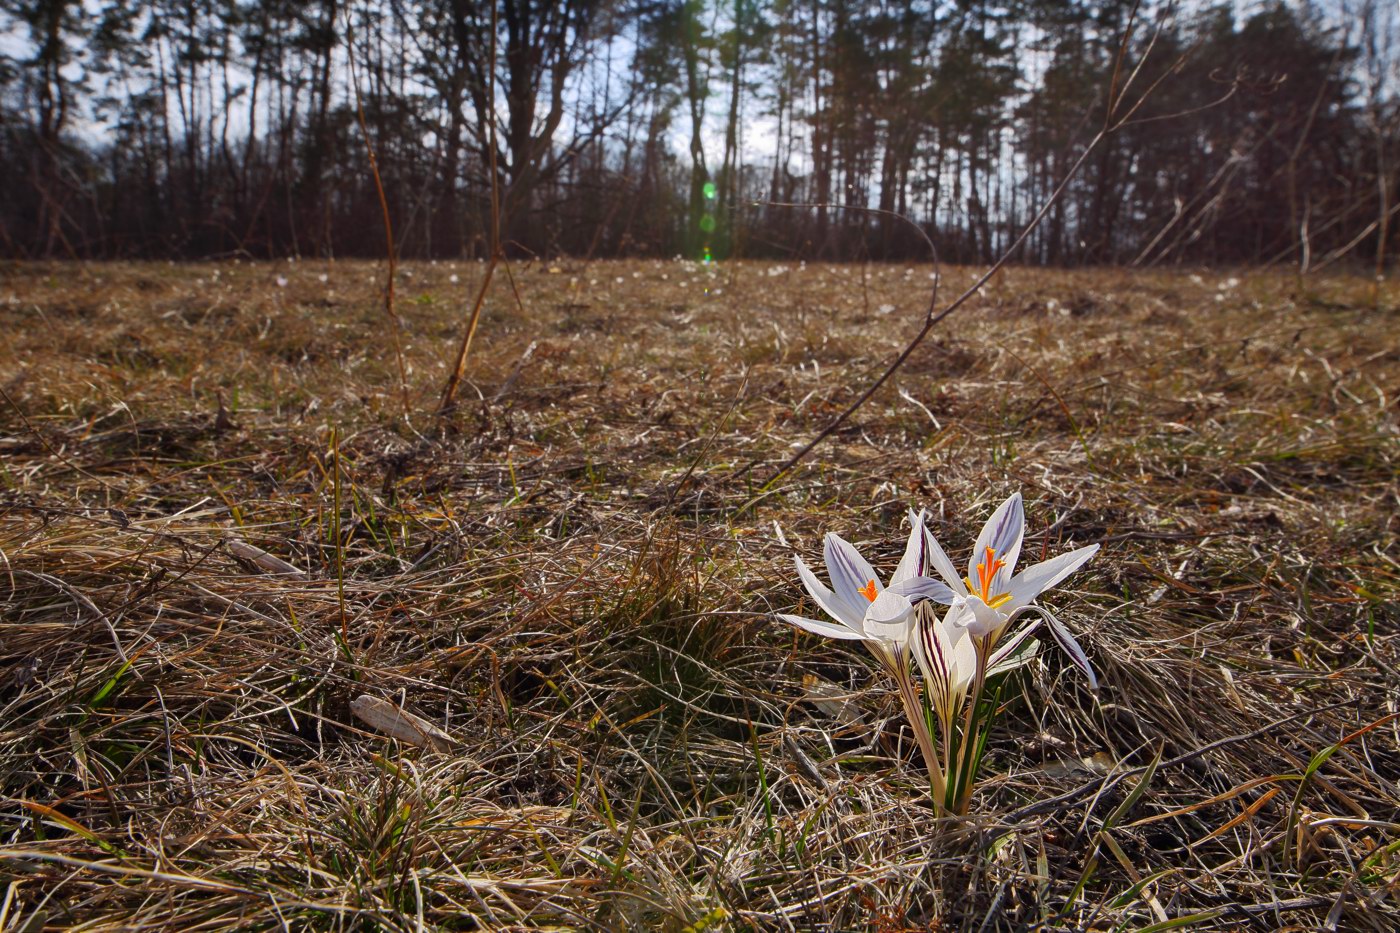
x=207 y=128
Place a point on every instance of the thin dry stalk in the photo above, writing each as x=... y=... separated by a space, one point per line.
x=390 y=247
x=449 y=392
x=1114 y=119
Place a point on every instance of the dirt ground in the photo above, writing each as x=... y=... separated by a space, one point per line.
x=225 y=517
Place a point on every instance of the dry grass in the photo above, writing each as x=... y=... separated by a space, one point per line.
x=631 y=744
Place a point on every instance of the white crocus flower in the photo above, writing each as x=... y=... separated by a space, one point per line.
x=863 y=607
x=954 y=654
x=882 y=617
x=992 y=596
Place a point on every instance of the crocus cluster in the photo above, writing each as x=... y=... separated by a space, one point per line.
x=948 y=631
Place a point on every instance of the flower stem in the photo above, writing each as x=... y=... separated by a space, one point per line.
x=914 y=712
x=970 y=744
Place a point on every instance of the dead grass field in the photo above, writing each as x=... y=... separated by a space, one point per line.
x=633 y=741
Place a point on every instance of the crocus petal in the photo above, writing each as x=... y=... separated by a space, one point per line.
x=849 y=572
x=1002 y=533
x=978 y=618
x=961 y=655
x=832 y=604
x=889 y=618
x=924 y=588
x=889 y=608
x=1009 y=648
x=964 y=660
x=830 y=630
x=1029 y=650
x=1066 y=642
x=937 y=558
x=933 y=651
x=912 y=563
x=1033 y=581
x=889 y=625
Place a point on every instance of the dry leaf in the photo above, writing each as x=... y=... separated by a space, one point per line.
x=833 y=700
x=263 y=560
x=1098 y=763
x=520 y=816
x=400 y=723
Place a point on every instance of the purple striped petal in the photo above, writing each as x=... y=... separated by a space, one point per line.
x=1012 y=645
x=830 y=630
x=912 y=563
x=850 y=573
x=1033 y=581
x=1002 y=533
x=924 y=588
x=933 y=652
x=1066 y=642
x=830 y=603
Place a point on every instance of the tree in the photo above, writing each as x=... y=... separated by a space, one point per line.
x=537 y=48
x=48 y=90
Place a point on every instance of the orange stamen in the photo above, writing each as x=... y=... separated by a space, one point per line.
x=988 y=570
x=868 y=591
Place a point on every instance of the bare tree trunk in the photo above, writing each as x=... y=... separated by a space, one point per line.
x=53 y=116
x=695 y=88
x=821 y=143
x=1383 y=213
x=727 y=172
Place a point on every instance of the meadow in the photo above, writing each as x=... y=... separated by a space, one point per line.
x=224 y=519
